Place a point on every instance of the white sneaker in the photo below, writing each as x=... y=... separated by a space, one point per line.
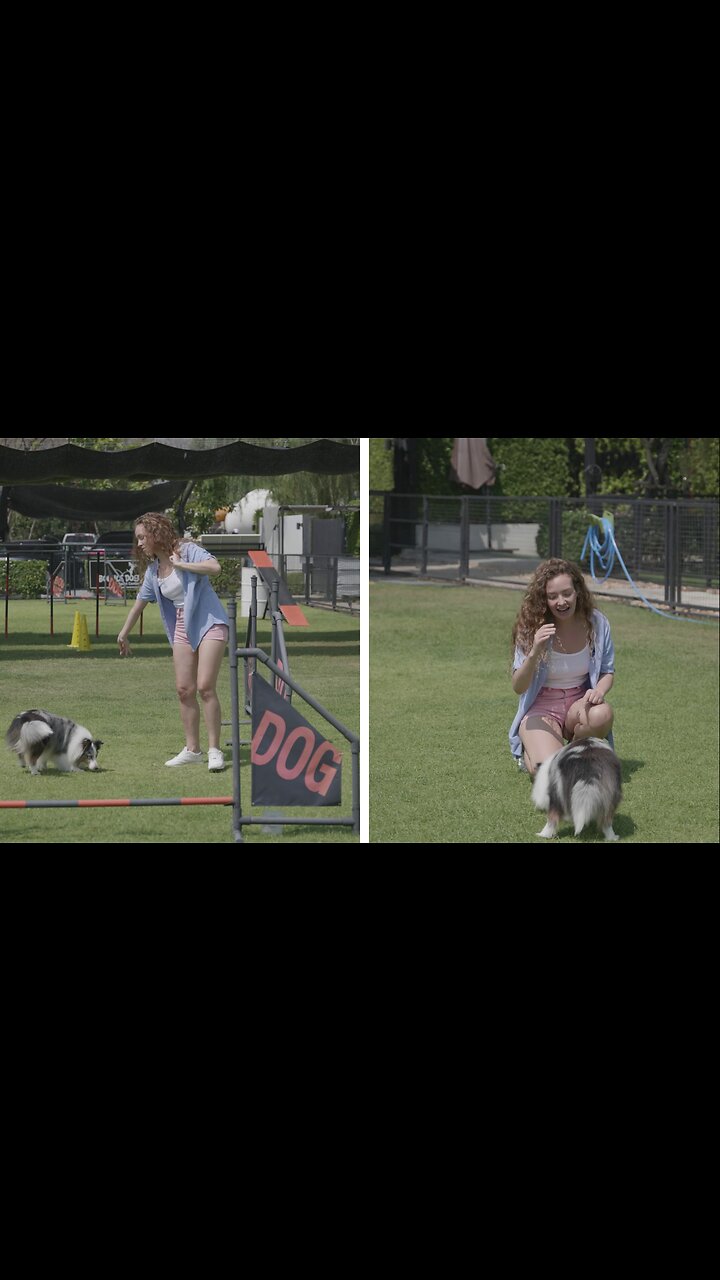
x=216 y=759
x=186 y=757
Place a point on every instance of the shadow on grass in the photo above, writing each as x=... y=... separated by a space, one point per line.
x=326 y=644
x=623 y=826
x=27 y=644
x=629 y=767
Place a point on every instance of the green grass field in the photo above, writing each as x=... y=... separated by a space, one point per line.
x=441 y=705
x=132 y=706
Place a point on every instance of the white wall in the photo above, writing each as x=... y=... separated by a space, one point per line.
x=505 y=537
x=292 y=532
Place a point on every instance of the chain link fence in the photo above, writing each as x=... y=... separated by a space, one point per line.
x=321 y=579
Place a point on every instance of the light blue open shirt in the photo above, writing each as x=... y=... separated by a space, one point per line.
x=202 y=609
x=602 y=663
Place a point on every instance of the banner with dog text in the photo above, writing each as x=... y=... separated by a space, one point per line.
x=292 y=763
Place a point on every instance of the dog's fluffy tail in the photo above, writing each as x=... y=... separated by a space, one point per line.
x=30 y=734
x=587 y=802
x=35 y=731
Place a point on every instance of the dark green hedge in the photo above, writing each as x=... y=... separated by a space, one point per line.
x=28 y=578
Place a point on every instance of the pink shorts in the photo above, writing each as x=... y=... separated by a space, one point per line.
x=555 y=703
x=218 y=632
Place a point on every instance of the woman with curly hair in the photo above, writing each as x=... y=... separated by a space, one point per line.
x=177 y=577
x=563 y=666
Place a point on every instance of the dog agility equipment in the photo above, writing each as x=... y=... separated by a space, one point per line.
x=80 y=638
x=110 y=804
x=291 y=762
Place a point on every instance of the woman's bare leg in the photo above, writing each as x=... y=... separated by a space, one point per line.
x=541 y=738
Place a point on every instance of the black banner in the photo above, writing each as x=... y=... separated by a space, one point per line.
x=292 y=763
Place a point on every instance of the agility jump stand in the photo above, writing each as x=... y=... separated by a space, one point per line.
x=278 y=651
x=250 y=643
x=278 y=648
x=252 y=654
x=283 y=675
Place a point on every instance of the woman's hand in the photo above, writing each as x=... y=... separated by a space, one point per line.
x=124 y=646
x=209 y=566
x=593 y=699
x=542 y=636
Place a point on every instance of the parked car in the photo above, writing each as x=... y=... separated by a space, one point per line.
x=77 y=539
x=74 y=569
x=116 y=540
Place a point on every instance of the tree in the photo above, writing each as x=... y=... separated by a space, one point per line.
x=303 y=488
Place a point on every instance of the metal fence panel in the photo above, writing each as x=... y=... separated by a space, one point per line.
x=321 y=578
x=670 y=548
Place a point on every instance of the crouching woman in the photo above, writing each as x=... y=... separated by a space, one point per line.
x=563 y=666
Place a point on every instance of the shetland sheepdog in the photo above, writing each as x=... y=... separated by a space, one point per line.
x=40 y=739
x=581 y=782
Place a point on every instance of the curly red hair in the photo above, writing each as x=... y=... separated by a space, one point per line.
x=534 y=610
x=163 y=533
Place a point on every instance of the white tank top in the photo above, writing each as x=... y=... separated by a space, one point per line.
x=172 y=588
x=567 y=670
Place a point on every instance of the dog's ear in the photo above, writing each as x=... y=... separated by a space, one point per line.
x=97 y=745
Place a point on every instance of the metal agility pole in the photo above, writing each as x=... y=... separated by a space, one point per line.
x=109 y=804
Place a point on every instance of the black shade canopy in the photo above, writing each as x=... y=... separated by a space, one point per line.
x=161 y=461
x=44 y=500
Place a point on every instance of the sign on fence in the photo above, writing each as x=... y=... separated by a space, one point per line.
x=120 y=574
x=292 y=764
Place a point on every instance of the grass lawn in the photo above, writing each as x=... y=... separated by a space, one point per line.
x=132 y=706
x=441 y=705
